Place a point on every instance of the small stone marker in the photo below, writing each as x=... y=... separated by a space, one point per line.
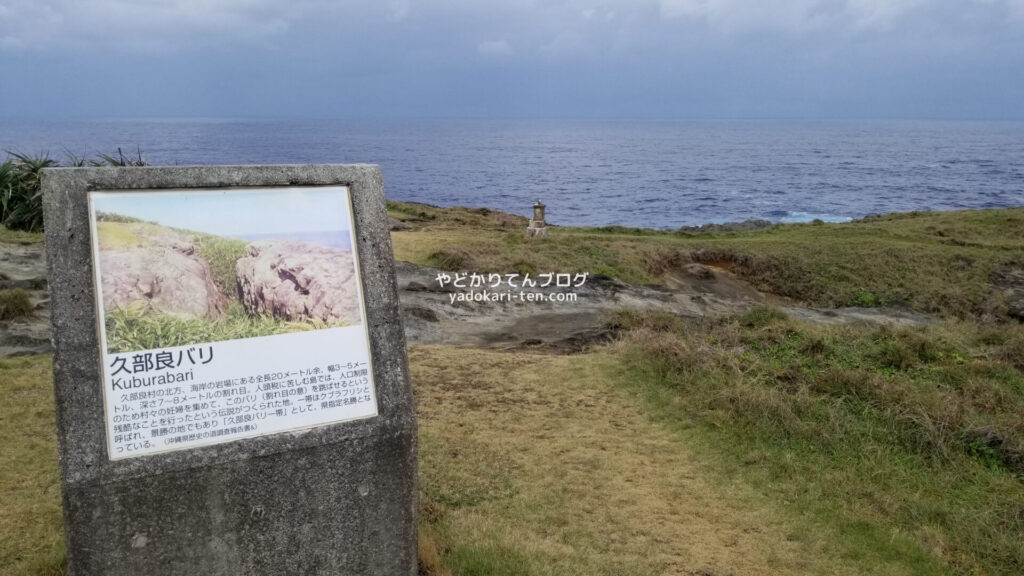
x=230 y=372
x=538 y=228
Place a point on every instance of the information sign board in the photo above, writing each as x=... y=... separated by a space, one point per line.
x=227 y=314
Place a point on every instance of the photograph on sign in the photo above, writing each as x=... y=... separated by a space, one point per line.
x=227 y=314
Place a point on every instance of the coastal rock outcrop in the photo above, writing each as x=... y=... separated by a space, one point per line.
x=745 y=226
x=298 y=281
x=164 y=275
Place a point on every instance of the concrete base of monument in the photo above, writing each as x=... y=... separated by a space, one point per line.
x=320 y=510
x=536 y=229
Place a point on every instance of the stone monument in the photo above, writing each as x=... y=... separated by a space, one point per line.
x=286 y=448
x=538 y=228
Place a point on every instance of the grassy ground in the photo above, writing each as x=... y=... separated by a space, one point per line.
x=881 y=434
x=19 y=237
x=31 y=537
x=551 y=465
x=522 y=477
x=940 y=262
x=120 y=236
x=752 y=445
x=757 y=445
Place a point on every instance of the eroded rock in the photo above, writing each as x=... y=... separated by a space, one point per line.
x=299 y=281
x=165 y=276
x=745 y=226
x=699 y=271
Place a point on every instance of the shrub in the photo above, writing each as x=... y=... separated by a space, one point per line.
x=21 y=199
x=762 y=316
x=14 y=304
x=452 y=259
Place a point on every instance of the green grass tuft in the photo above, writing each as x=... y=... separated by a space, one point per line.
x=135 y=328
x=492 y=560
x=15 y=304
x=455 y=259
x=222 y=254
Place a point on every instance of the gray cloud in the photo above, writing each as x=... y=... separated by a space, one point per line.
x=156 y=25
x=597 y=57
x=542 y=27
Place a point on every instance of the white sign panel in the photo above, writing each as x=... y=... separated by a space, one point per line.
x=227 y=314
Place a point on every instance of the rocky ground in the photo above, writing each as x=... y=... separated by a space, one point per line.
x=22 y=266
x=696 y=291
x=431 y=317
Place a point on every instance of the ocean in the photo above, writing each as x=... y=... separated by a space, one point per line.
x=661 y=174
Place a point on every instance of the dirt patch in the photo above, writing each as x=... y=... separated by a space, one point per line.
x=706 y=279
x=725 y=265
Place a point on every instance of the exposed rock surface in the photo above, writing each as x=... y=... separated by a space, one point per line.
x=431 y=317
x=1015 y=302
x=165 y=275
x=746 y=225
x=573 y=326
x=397 y=225
x=1012 y=282
x=297 y=281
x=22 y=267
x=699 y=271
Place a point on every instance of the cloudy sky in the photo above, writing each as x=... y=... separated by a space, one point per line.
x=513 y=58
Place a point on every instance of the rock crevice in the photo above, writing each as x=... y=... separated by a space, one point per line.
x=299 y=281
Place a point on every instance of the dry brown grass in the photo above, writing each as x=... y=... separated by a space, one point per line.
x=543 y=465
x=31 y=538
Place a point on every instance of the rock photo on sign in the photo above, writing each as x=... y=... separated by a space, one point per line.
x=242 y=307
